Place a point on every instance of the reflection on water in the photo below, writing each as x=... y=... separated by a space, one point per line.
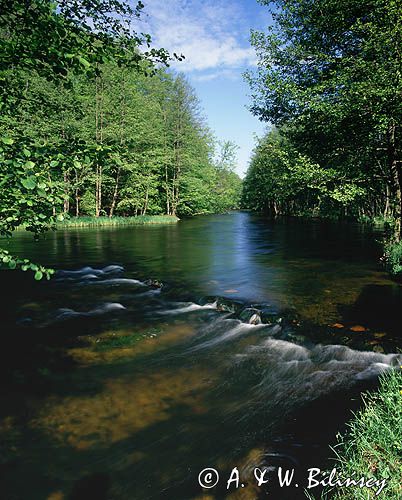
x=120 y=388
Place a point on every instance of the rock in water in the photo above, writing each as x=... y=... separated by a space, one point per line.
x=226 y=305
x=153 y=283
x=251 y=316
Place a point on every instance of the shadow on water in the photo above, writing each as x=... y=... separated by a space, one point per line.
x=378 y=306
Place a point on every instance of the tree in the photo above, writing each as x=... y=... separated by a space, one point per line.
x=329 y=77
x=282 y=181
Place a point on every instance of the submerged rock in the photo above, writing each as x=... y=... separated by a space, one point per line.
x=153 y=283
x=209 y=299
x=269 y=317
x=251 y=316
x=226 y=305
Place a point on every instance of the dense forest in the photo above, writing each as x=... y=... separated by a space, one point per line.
x=124 y=143
x=329 y=82
x=93 y=122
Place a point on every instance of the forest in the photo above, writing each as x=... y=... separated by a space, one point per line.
x=93 y=122
x=329 y=82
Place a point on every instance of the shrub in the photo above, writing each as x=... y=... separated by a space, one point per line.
x=393 y=257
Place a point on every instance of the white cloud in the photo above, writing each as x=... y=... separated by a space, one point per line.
x=207 y=76
x=210 y=34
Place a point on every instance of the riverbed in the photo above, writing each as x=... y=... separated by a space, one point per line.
x=158 y=351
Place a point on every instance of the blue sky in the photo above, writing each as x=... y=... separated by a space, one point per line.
x=214 y=37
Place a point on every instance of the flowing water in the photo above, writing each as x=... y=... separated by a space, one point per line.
x=251 y=354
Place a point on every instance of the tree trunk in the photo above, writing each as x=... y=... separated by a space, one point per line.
x=115 y=193
x=77 y=203
x=396 y=173
x=387 y=209
x=66 y=193
x=145 y=203
x=167 y=191
x=98 y=191
x=99 y=140
x=51 y=192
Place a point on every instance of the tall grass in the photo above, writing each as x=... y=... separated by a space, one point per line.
x=372 y=445
x=116 y=221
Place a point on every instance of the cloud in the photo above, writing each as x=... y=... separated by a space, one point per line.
x=212 y=35
x=207 y=76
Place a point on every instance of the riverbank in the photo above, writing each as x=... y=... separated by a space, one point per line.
x=371 y=447
x=139 y=220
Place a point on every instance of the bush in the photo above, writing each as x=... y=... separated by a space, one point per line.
x=393 y=257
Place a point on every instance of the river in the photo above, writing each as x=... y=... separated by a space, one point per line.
x=251 y=354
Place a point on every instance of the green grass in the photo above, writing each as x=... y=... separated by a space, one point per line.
x=372 y=445
x=393 y=257
x=116 y=221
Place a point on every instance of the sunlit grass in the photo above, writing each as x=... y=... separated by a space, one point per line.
x=116 y=221
x=372 y=445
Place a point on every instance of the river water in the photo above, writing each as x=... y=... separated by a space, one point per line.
x=251 y=354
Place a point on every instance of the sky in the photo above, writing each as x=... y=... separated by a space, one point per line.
x=214 y=37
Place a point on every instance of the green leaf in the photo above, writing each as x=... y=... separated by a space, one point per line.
x=38 y=275
x=12 y=264
x=84 y=62
x=7 y=140
x=29 y=182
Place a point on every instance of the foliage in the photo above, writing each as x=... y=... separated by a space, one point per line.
x=55 y=38
x=329 y=79
x=26 y=197
x=281 y=180
x=371 y=447
x=393 y=257
x=14 y=262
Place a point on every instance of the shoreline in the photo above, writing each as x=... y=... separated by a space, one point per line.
x=139 y=220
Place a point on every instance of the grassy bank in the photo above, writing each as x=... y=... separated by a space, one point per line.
x=117 y=221
x=371 y=447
